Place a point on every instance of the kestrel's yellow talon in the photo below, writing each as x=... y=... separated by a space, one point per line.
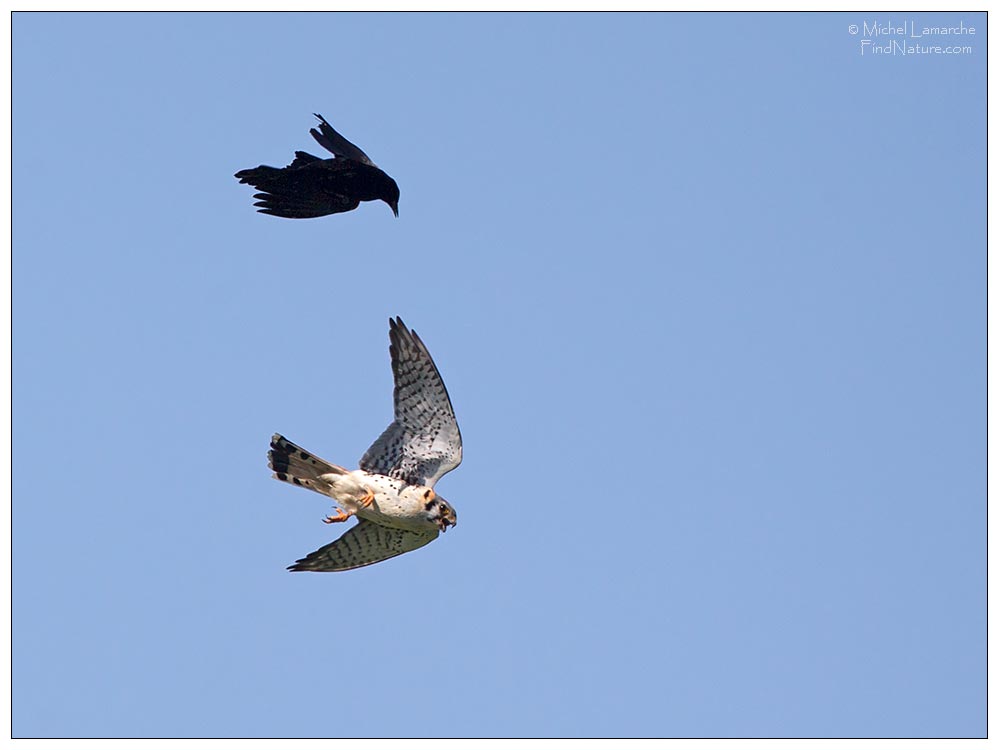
x=340 y=516
x=369 y=497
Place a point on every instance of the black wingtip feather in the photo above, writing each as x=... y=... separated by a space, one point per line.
x=399 y=334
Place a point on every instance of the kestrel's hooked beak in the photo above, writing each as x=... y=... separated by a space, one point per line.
x=449 y=518
x=395 y=208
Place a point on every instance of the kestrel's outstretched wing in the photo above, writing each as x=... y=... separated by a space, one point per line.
x=364 y=544
x=423 y=443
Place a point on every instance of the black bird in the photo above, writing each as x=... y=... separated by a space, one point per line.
x=311 y=186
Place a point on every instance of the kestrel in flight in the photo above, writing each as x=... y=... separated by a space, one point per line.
x=392 y=493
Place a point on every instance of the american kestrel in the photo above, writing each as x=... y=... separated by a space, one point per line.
x=392 y=493
x=310 y=186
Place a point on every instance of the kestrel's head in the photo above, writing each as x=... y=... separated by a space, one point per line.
x=438 y=509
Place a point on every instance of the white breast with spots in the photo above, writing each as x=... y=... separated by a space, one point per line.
x=396 y=503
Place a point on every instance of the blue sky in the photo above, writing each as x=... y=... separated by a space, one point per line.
x=709 y=296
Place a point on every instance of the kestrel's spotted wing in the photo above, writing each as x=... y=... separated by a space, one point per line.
x=364 y=544
x=423 y=443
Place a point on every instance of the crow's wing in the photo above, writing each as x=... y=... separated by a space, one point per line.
x=335 y=143
x=306 y=188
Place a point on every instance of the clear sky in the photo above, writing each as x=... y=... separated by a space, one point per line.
x=709 y=296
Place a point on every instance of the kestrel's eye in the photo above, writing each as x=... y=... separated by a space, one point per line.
x=428 y=494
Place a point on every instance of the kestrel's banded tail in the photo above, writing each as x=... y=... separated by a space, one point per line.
x=297 y=466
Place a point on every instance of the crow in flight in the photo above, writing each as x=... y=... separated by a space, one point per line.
x=311 y=186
